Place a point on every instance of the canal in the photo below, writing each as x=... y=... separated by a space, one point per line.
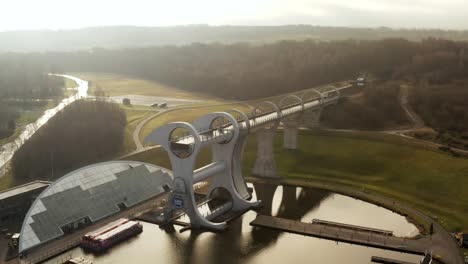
x=242 y=243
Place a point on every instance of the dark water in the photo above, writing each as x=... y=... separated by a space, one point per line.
x=242 y=243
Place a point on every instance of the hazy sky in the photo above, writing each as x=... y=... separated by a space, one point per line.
x=65 y=14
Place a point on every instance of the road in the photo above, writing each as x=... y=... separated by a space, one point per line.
x=8 y=150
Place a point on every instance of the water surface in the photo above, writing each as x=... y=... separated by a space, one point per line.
x=242 y=243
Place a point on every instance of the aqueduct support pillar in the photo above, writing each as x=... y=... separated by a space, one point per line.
x=291 y=129
x=265 y=164
x=312 y=118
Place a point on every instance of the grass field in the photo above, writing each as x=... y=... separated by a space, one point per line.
x=6 y=182
x=187 y=114
x=115 y=85
x=134 y=116
x=432 y=181
x=427 y=179
x=69 y=83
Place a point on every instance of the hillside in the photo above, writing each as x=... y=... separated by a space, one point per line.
x=377 y=107
x=244 y=72
x=131 y=36
x=443 y=107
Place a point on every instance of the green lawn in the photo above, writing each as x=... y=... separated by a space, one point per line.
x=188 y=114
x=134 y=117
x=115 y=85
x=429 y=180
x=69 y=83
x=6 y=182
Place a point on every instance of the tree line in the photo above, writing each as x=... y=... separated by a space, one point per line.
x=83 y=133
x=24 y=84
x=444 y=107
x=24 y=79
x=243 y=71
x=376 y=108
x=7 y=121
x=117 y=37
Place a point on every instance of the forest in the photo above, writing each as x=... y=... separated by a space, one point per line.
x=118 y=37
x=23 y=79
x=376 y=108
x=82 y=133
x=244 y=71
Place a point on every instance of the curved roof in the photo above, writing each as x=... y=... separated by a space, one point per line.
x=92 y=192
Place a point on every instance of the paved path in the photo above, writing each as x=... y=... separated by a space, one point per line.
x=441 y=243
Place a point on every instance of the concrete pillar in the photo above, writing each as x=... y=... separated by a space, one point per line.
x=265 y=164
x=312 y=118
x=291 y=129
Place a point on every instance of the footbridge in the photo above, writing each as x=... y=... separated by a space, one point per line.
x=226 y=134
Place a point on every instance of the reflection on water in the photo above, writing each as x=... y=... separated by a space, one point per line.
x=308 y=204
x=242 y=243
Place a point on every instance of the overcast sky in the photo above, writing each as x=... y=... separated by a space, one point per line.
x=66 y=14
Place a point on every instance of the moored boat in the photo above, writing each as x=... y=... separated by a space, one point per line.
x=110 y=234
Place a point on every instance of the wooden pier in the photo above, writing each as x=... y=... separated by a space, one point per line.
x=353 y=227
x=342 y=234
